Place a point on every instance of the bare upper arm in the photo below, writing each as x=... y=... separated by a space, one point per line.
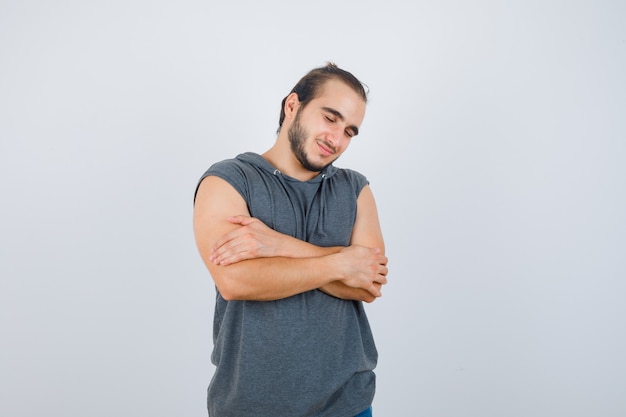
x=215 y=201
x=367 y=230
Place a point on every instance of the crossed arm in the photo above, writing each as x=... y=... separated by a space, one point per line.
x=250 y=261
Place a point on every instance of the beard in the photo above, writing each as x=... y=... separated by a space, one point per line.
x=297 y=139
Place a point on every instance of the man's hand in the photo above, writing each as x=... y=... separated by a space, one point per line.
x=363 y=268
x=252 y=240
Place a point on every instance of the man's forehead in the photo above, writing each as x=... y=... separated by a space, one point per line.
x=341 y=97
x=337 y=87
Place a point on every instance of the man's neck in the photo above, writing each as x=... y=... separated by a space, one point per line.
x=286 y=162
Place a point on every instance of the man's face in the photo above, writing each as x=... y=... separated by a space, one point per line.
x=321 y=131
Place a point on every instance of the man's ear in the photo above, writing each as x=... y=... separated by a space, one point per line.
x=292 y=104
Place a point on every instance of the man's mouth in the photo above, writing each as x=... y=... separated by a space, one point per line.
x=326 y=148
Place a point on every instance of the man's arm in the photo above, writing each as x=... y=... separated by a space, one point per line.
x=366 y=232
x=254 y=239
x=271 y=278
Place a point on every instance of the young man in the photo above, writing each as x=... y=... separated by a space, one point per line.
x=294 y=247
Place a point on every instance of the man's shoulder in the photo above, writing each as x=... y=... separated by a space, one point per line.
x=226 y=164
x=237 y=171
x=351 y=175
x=241 y=159
x=241 y=163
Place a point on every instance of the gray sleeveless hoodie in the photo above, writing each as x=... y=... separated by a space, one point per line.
x=306 y=355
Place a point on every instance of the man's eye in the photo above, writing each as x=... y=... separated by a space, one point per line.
x=330 y=119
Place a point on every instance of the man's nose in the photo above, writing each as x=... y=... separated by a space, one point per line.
x=334 y=136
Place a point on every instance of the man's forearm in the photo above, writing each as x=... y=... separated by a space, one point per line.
x=340 y=290
x=267 y=279
x=255 y=241
x=335 y=289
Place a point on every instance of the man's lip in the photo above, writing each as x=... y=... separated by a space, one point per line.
x=326 y=150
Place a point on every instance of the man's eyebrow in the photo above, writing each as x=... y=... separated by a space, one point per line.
x=355 y=130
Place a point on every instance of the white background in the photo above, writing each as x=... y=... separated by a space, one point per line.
x=495 y=141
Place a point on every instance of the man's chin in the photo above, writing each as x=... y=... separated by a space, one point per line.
x=314 y=168
x=319 y=167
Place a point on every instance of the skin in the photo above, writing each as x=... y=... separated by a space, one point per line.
x=250 y=261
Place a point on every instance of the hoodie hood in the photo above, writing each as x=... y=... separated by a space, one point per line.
x=260 y=162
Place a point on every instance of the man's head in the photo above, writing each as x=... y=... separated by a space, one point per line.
x=318 y=133
x=310 y=86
